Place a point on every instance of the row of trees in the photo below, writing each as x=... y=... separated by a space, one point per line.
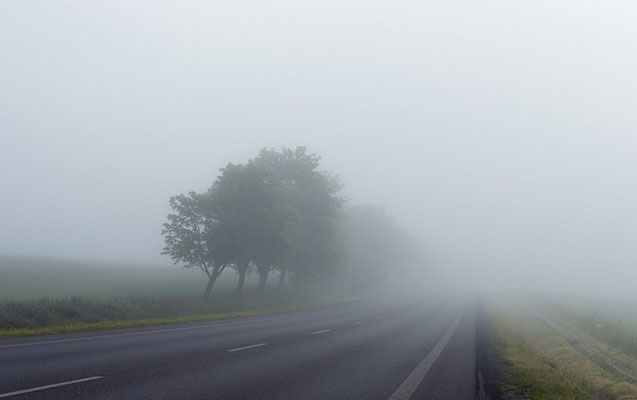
x=379 y=251
x=277 y=212
x=280 y=213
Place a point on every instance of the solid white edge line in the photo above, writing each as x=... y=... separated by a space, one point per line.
x=36 y=389
x=409 y=386
x=247 y=347
x=322 y=331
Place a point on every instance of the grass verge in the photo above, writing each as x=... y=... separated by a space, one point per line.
x=542 y=364
x=611 y=339
x=46 y=295
x=92 y=326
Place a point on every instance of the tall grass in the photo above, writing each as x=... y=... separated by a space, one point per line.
x=611 y=332
x=612 y=321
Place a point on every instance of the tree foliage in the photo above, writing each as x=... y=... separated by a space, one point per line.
x=191 y=237
x=377 y=247
x=280 y=212
x=275 y=212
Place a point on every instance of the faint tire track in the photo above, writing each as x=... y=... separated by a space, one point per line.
x=585 y=346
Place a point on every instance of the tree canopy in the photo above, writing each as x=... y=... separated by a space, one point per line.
x=276 y=212
x=280 y=212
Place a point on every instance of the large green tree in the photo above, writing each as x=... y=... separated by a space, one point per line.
x=314 y=252
x=256 y=218
x=275 y=212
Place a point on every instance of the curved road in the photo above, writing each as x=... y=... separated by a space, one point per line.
x=378 y=349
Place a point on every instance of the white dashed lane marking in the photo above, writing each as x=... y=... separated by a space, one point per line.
x=247 y=347
x=55 y=385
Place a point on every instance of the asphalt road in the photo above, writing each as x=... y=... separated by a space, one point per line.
x=381 y=349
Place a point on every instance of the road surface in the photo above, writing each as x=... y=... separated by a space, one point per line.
x=376 y=349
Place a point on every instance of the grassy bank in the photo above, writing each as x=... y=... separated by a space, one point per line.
x=126 y=323
x=611 y=321
x=40 y=296
x=542 y=364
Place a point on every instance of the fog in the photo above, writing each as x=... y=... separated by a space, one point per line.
x=501 y=133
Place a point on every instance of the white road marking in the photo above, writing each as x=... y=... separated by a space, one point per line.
x=247 y=347
x=409 y=386
x=36 y=389
x=357 y=323
x=319 y=332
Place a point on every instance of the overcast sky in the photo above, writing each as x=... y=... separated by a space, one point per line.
x=502 y=133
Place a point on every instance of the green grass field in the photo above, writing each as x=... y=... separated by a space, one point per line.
x=40 y=295
x=27 y=278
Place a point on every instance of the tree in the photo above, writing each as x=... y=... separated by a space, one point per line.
x=191 y=238
x=377 y=247
x=314 y=252
x=229 y=198
x=275 y=212
x=255 y=217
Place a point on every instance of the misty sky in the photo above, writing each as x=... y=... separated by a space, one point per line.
x=502 y=133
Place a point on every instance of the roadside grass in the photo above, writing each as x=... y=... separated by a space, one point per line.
x=42 y=296
x=610 y=339
x=612 y=333
x=611 y=322
x=113 y=324
x=616 y=312
x=542 y=364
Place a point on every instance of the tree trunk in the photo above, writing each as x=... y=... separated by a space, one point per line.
x=211 y=281
x=243 y=269
x=282 y=277
x=212 y=277
x=263 y=276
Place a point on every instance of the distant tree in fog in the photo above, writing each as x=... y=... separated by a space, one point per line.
x=376 y=247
